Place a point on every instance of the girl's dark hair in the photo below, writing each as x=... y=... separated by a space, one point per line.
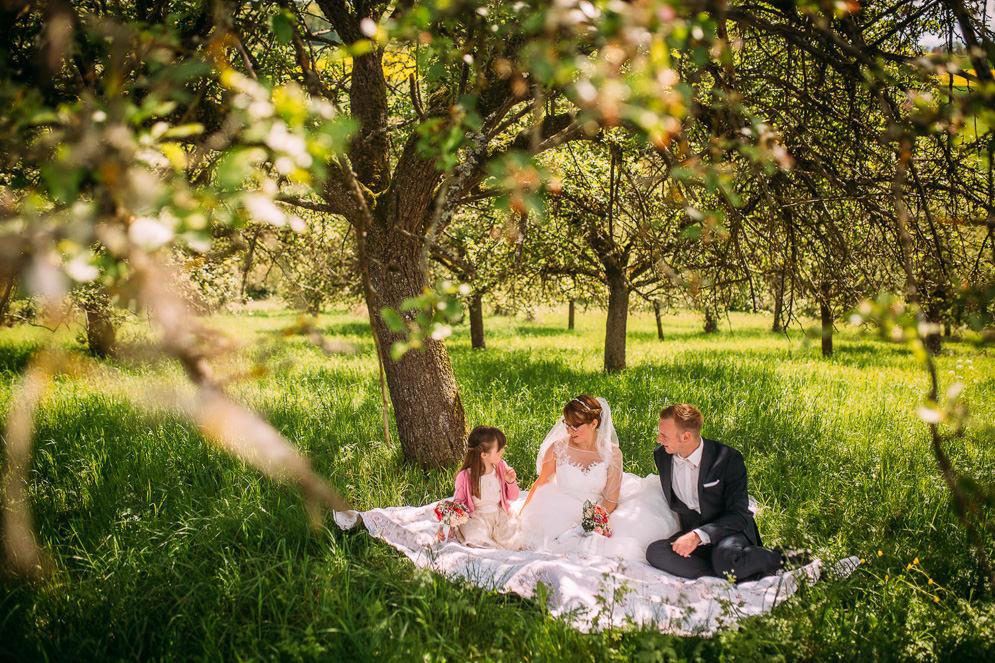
x=582 y=410
x=481 y=440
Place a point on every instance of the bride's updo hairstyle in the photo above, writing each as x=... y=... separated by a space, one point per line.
x=482 y=440
x=582 y=410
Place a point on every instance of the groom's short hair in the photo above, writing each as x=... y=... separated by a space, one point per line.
x=685 y=415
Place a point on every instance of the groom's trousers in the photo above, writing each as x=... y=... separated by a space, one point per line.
x=734 y=555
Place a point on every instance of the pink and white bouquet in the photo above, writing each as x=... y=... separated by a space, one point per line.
x=450 y=514
x=595 y=519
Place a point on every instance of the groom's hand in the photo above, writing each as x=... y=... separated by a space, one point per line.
x=685 y=545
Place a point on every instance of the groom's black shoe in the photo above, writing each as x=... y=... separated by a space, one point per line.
x=793 y=558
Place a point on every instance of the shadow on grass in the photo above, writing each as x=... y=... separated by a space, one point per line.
x=536 y=330
x=348 y=329
x=14 y=357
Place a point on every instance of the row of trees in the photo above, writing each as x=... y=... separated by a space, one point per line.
x=778 y=156
x=719 y=154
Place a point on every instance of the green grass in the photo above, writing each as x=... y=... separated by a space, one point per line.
x=167 y=549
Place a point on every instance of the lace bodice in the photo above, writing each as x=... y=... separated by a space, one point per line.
x=583 y=473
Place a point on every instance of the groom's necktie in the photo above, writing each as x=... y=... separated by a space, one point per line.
x=684 y=462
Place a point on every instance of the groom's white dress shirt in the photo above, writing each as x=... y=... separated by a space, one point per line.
x=684 y=479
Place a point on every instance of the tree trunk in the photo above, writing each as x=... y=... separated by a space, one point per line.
x=431 y=423
x=934 y=316
x=778 y=304
x=934 y=341
x=100 y=336
x=827 y=328
x=711 y=321
x=659 y=320
x=570 y=318
x=7 y=288
x=314 y=302
x=618 y=317
x=247 y=265
x=477 y=322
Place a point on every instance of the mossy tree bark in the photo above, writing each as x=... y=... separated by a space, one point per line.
x=431 y=423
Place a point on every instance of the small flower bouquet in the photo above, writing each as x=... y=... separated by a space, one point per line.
x=450 y=514
x=595 y=519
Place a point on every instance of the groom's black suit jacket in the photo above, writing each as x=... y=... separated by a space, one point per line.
x=722 y=493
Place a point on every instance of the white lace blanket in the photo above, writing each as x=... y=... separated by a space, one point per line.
x=587 y=592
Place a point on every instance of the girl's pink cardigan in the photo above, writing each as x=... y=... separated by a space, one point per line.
x=464 y=492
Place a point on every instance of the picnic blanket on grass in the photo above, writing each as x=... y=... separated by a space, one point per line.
x=590 y=593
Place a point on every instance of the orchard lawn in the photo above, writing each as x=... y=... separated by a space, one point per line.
x=165 y=548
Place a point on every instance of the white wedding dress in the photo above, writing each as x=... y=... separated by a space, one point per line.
x=551 y=521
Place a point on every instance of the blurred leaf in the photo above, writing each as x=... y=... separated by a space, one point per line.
x=283 y=23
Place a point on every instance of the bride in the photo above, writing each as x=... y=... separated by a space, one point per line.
x=580 y=460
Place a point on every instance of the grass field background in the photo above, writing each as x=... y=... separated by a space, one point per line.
x=167 y=549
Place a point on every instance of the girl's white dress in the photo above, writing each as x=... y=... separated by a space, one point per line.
x=551 y=521
x=489 y=526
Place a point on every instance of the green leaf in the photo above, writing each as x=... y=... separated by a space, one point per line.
x=692 y=232
x=283 y=26
x=393 y=321
x=184 y=130
x=361 y=47
x=62 y=184
x=398 y=349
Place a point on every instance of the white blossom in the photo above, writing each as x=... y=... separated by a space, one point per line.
x=368 y=27
x=283 y=165
x=280 y=140
x=80 y=269
x=45 y=279
x=260 y=109
x=930 y=415
x=586 y=90
x=441 y=332
x=297 y=224
x=263 y=210
x=149 y=233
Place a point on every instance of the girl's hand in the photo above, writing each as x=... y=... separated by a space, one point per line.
x=510 y=476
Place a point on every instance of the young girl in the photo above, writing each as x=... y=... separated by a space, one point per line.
x=486 y=485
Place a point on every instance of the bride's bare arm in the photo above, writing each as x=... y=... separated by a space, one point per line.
x=609 y=497
x=546 y=474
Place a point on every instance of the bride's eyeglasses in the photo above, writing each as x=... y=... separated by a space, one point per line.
x=571 y=428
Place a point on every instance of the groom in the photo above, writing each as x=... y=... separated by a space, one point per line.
x=705 y=483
